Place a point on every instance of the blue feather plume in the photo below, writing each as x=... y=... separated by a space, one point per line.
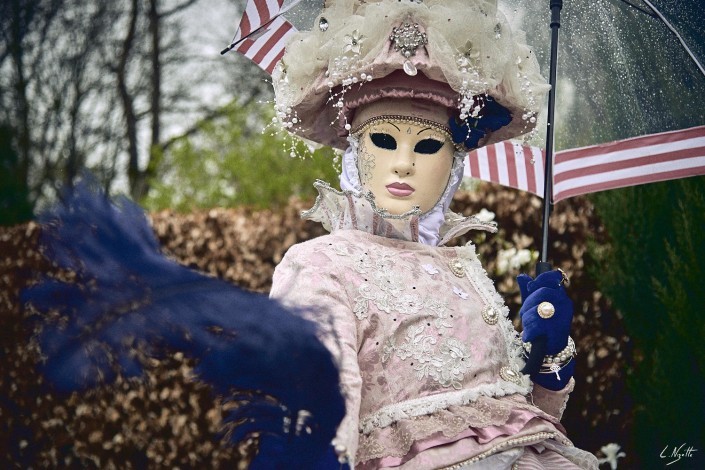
x=129 y=301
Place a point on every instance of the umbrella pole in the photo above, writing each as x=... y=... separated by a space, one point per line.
x=543 y=265
x=538 y=345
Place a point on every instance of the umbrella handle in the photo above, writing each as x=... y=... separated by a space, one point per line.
x=555 y=6
x=538 y=345
x=535 y=358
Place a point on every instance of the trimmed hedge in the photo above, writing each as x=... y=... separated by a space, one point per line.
x=168 y=420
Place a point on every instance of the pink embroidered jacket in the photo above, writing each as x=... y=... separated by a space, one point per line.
x=429 y=361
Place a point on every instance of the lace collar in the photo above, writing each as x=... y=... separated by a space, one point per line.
x=351 y=210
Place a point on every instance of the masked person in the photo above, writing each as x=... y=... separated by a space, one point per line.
x=429 y=361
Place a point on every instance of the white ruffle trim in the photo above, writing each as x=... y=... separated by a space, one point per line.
x=352 y=210
x=433 y=403
x=456 y=225
x=478 y=276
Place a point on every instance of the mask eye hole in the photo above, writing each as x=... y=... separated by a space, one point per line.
x=428 y=146
x=383 y=141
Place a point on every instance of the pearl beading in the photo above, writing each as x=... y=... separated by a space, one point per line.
x=567 y=353
x=521 y=441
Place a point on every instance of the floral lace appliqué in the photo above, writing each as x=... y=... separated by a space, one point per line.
x=383 y=286
x=439 y=309
x=397 y=439
x=446 y=363
x=453 y=363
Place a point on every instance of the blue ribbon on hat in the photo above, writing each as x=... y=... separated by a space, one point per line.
x=471 y=130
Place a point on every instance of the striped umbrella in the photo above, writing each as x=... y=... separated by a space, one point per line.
x=266 y=27
x=627 y=104
x=628 y=98
x=639 y=160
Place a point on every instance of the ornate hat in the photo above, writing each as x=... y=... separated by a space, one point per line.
x=460 y=54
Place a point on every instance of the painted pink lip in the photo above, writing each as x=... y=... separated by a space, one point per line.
x=400 y=189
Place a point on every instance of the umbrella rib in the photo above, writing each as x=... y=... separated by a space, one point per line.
x=653 y=15
x=234 y=43
x=264 y=25
x=673 y=30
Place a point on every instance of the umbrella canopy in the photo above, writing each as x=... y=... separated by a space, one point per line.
x=626 y=68
x=621 y=72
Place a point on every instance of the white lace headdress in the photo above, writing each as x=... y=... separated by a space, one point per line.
x=465 y=47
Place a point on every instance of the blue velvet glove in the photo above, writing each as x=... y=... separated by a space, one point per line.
x=547 y=287
x=470 y=131
x=329 y=461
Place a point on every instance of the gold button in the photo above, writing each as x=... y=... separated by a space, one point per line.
x=510 y=375
x=546 y=310
x=490 y=315
x=456 y=266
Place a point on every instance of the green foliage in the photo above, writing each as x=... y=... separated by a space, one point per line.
x=14 y=192
x=653 y=271
x=231 y=162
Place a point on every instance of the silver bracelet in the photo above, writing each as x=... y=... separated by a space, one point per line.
x=568 y=352
x=554 y=368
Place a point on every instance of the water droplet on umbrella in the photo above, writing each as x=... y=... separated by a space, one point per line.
x=323 y=24
x=410 y=68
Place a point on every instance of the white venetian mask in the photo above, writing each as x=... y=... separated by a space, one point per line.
x=404 y=162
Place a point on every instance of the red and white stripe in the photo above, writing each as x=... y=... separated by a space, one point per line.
x=265 y=46
x=641 y=160
x=509 y=164
x=257 y=13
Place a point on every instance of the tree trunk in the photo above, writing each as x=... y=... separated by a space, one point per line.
x=133 y=170
x=141 y=189
x=21 y=17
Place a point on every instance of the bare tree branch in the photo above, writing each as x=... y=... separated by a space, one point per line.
x=214 y=114
x=178 y=8
x=65 y=112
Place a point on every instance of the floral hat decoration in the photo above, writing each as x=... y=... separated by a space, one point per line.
x=461 y=54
